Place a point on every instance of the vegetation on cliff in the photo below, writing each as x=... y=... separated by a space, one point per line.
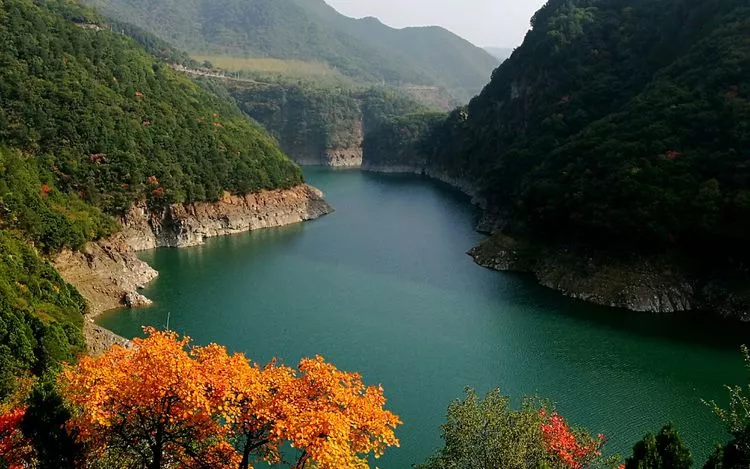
x=619 y=125
x=40 y=315
x=30 y=203
x=400 y=141
x=310 y=30
x=309 y=119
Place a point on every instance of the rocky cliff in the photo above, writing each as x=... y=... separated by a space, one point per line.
x=658 y=284
x=183 y=225
x=106 y=273
x=319 y=123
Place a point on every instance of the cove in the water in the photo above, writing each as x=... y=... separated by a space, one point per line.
x=383 y=286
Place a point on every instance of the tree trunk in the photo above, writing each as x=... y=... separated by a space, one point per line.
x=245 y=464
x=251 y=444
x=158 y=450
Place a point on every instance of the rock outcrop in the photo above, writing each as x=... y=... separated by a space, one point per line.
x=183 y=225
x=99 y=339
x=105 y=272
x=343 y=157
x=657 y=284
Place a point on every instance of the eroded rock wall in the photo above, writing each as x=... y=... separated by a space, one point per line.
x=183 y=225
x=657 y=284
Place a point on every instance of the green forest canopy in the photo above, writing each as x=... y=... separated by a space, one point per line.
x=114 y=124
x=616 y=122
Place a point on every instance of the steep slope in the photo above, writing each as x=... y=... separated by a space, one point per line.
x=618 y=133
x=116 y=123
x=311 y=30
x=91 y=126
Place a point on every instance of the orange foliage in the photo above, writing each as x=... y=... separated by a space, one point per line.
x=150 y=400
x=334 y=418
x=169 y=404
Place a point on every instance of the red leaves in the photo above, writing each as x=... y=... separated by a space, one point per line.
x=15 y=449
x=98 y=158
x=672 y=155
x=575 y=451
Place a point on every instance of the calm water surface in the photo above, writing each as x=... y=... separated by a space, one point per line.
x=383 y=286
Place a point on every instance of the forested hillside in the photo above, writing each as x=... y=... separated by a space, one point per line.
x=633 y=126
x=89 y=124
x=314 y=122
x=310 y=30
x=447 y=59
x=108 y=117
x=617 y=124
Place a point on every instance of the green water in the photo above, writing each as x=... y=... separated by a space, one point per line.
x=384 y=286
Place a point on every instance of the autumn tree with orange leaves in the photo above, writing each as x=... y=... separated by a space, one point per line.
x=163 y=403
x=333 y=417
x=573 y=449
x=148 y=405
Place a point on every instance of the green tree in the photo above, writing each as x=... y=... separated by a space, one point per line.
x=44 y=425
x=736 y=453
x=488 y=433
x=663 y=451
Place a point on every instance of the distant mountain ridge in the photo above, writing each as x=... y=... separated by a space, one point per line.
x=365 y=49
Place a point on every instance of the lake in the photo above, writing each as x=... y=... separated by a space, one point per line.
x=383 y=286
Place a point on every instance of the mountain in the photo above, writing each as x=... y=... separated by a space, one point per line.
x=311 y=30
x=501 y=53
x=618 y=127
x=91 y=124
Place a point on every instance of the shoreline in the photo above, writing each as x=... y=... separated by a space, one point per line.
x=109 y=275
x=637 y=283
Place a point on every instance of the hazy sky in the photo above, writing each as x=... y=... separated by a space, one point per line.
x=500 y=23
